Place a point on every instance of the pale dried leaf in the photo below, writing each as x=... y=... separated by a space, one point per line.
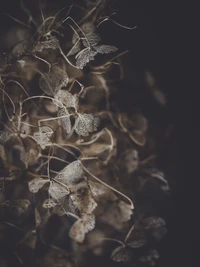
x=65 y=121
x=84 y=56
x=67 y=99
x=43 y=136
x=99 y=190
x=129 y=161
x=71 y=173
x=58 y=191
x=105 y=49
x=75 y=49
x=53 y=81
x=36 y=184
x=48 y=203
x=86 y=123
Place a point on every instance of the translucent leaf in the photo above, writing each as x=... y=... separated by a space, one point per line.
x=53 y=81
x=75 y=49
x=81 y=227
x=65 y=122
x=58 y=191
x=48 y=44
x=43 y=137
x=86 y=123
x=67 y=99
x=5 y=136
x=92 y=39
x=84 y=56
x=71 y=173
x=121 y=254
x=36 y=184
x=105 y=49
x=48 y=203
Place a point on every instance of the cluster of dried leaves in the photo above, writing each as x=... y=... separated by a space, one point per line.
x=71 y=167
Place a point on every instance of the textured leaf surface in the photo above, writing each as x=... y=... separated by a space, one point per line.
x=84 y=56
x=86 y=123
x=65 y=121
x=36 y=184
x=53 y=81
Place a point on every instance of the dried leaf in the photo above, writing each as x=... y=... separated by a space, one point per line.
x=84 y=56
x=99 y=190
x=82 y=199
x=53 y=81
x=43 y=136
x=86 y=123
x=116 y=214
x=75 y=49
x=121 y=254
x=58 y=191
x=65 y=121
x=81 y=227
x=48 y=203
x=105 y=49
x=71 y=173
x=36 y=184
x=92 y=40
x=47 y=44
x=67 y=99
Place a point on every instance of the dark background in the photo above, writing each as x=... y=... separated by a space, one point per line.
x=159 y=44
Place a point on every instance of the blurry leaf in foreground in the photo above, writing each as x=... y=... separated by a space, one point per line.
x=81 y=227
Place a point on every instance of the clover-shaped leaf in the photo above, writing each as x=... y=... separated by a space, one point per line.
x=86 y=123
